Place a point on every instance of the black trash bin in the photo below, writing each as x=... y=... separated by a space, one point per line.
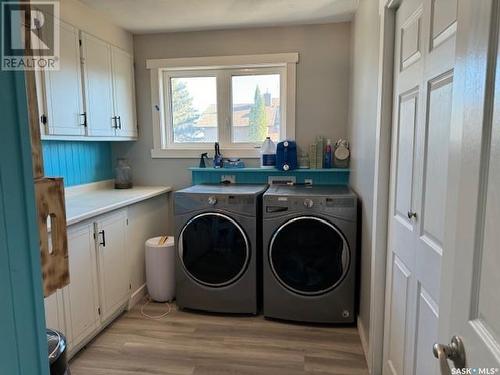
x=57 y=353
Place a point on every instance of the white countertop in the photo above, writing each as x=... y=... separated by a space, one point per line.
x=86 y=201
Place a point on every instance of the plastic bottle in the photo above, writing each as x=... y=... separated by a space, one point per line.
x=328 y=154
x=268 y=154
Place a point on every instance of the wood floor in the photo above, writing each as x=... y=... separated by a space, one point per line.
x=205 y=344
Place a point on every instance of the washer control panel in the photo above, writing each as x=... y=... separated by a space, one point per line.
x=308 y=203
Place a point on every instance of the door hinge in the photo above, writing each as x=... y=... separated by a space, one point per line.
x=43 y=119
x=79 y=41
x=127 y=221
x=130 y=286
x=99 y=310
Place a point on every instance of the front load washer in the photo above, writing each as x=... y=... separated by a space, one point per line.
x=218 y=237
x=309 y=247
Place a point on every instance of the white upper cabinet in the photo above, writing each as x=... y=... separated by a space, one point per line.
x=92 y=96
x=123 y=86
x=98 y=86
x=61 y=91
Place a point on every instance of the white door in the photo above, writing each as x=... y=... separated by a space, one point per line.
x=98 y=86
x=423 y=86
x=62 y=89
x=113 y=262
x=470 y=297
x=124 y=92
x=80 y=296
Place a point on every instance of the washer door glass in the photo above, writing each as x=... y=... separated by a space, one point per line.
x=308 y=255
x=214 y=249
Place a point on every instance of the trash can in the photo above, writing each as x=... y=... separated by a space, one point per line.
x=160 y=268
x=56 y=343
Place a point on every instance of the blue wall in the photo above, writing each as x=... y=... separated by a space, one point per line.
x=78 y=162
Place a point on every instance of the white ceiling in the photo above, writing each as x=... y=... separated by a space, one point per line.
x=149 y=16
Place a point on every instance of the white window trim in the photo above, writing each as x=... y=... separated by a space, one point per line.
x=284 y=62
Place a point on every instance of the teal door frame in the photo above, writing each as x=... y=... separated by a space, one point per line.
x=23 y=343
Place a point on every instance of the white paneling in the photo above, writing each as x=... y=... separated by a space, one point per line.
x=405 y=153
x=427 y=328
x=436 y=169
x=398 y=312
x=410 y=40
x=443 y=20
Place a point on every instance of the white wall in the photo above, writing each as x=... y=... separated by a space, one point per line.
x=362 y=133
x=89 y=20
x=322 y=85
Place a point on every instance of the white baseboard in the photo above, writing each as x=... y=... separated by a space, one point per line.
x=364 y=342
x=137 y=296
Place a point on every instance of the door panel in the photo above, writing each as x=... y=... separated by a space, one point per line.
x=113 y=262
x=406 y=153
x=471 y=259
x=411 y=40
x=98 y=86
x=80 y=295
x=423 y=86
x=443 y=21
x=427 y=328
x=214 y=249
x=63 y=88
x=398 y=313
x=124 y=92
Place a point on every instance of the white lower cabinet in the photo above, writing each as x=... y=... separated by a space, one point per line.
x=114 y=280
x=81 y=300
x=99 y=285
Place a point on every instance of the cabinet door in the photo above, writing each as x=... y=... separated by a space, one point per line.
x=81 y=295
x=62 y=89
x=98 y=86
x=124 y=93
x=54 y=312
x=113 y=262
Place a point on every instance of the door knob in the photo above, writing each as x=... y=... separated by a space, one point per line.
x=412 y=214
x=454 y=352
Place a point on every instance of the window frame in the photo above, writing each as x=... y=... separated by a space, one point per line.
x=223 y=68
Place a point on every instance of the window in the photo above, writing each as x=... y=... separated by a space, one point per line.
x=237 y=101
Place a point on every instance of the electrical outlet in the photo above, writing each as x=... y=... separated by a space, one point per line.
x=231 y=178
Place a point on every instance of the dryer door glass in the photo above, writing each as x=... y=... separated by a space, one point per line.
x=308 y=255
x=214 y=249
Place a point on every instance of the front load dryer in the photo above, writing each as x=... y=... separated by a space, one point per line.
x=309 y=253
x=218 y=239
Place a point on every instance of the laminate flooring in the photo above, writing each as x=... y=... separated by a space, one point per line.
x=191 y=343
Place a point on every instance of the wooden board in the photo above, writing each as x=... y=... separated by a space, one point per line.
x=54 y=251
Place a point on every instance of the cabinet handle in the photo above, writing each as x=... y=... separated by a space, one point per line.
x=115 y=126
x=103 y=234
x=84 y=115
x=119 y=122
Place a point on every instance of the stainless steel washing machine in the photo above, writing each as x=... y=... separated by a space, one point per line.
x=309 y=246
x=218 y=239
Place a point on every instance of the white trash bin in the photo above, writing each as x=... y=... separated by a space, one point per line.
x=160 y=269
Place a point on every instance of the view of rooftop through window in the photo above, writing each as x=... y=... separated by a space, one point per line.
x=255 y=108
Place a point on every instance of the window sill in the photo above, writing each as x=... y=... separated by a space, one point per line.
x=243 y=153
